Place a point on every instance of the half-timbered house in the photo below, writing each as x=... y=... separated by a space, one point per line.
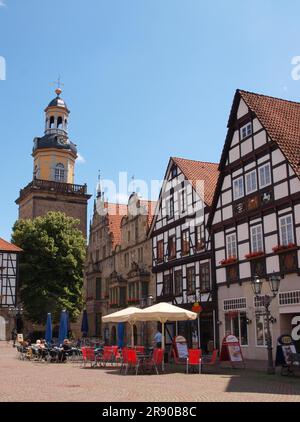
x=182 y=247
x=9 y=264
x=256 y=218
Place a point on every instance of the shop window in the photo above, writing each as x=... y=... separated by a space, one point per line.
x=236 y=324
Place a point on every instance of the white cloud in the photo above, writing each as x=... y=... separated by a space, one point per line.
x=2 y=3
x=80 y=158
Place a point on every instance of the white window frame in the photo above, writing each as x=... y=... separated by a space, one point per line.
x=253 y=235
x=261 y=184
x=59 y=173
x=284 y=227
x=248 y=128
x=240 y=194
x=264 y=345
x=239 y=322
x=247 y=176
x=229 y=245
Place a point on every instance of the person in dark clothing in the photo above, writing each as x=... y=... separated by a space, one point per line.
x=14 y=336
x=66 y=349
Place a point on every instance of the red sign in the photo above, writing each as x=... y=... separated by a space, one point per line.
x=231 y=350
x=197 y=307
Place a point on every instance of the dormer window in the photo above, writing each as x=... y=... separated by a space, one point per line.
x=246 y=130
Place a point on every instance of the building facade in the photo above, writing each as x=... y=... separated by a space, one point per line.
x=182 y=247
x=256 y=219
x=118 y=268
x=9 y=279
x=52 y=187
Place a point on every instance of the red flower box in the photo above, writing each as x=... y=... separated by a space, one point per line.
x=254 y=254
x=281 y=248
x=228 y=261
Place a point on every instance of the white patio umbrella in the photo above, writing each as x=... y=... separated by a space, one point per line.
x=124 y=315
x=164 y=312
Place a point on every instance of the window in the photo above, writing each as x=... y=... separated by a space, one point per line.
x=246 y=130
x=286 y=230
x=264 y=174
x=182 y=200
x=98 y=320
x=160 y=250
x=98 y=288
x=236 y=324
x=257 y=238
x=185 y=242
x=178 y=282
x=126 y=259
x=104 y=252
x=167 y=285
x=238 y=188
x=204 y=277
x=251 y=183
x=51 y=122
x=231 y=245
x=59 y=174
x=59 y=122
x=140 y=255
x=190 y=280
x=200 y=237
x=174 y=171
x=170 y=207
x=172 y=247
x=261 y=331
x=128 y=236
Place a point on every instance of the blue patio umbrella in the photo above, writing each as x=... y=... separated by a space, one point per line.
x=84 y=323
x=63 y=327
x=120 y=334
x=48 y=334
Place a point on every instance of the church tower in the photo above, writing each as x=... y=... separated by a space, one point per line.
x=52 y=187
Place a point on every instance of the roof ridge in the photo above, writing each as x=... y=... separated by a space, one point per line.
x=195 y=161
x=268 y=96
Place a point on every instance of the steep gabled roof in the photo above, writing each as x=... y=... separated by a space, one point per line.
x=280 y=118
x=200 y=170
x=8 y=247
x=115 y=213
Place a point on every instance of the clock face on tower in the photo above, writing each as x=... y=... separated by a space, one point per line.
x=61 y=140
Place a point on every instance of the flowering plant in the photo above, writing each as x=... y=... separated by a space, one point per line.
x=254 y=254
x=229 y=260
x=278 y=248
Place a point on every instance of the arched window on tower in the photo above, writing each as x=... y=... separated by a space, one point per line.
x=66 y=124
x=51 y=122
x=59 y=174
x=59 y=122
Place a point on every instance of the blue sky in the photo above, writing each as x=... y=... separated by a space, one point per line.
x=144 y=79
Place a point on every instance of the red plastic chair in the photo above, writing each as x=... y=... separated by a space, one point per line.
x=194 y=359
x=107 y=356
x=140 y=349
x=156 y=360
x=133 y=361
x=124 y=359
x=88 y=355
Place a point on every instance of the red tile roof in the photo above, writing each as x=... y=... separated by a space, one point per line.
x=114 y=217
x=8 y=247
x=281 y=119
x=196 y=171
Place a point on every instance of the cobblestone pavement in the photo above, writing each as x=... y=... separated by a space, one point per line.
x=40 y=381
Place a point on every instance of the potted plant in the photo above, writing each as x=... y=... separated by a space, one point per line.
x=252 y=255
x=282 y=248
x=228 y=261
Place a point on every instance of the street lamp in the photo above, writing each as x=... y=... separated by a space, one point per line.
x=266 y=300
x=16 y=312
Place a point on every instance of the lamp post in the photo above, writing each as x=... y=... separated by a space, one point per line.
x=274 y=282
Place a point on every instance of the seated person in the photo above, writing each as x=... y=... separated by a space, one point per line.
x=66 y=348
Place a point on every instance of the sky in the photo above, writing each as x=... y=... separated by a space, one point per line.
x=144 y=80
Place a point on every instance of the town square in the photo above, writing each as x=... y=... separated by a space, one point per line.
x=150 y=203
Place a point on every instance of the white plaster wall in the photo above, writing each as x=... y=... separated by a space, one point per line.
x=221 y=275
x=226 y=197
x=280 y=191
x=242 y=230
x=234 y=154
x=277 y=156
x=219 y=239
x=256 y=125
x=246 y=146
x=270 y=223
x=243 y=250
x=227 y=212
x=235 y=138
x=279 y=173
x=272 y=264
x=242 y=109
x=217 y=217
x=226 y=182
x=219 y=256
x=245 y=270
x=270 y=242
x=295 y=185
x=260 y=139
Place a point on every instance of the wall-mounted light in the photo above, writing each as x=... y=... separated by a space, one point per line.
x=248 y=321
x=219 y=322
